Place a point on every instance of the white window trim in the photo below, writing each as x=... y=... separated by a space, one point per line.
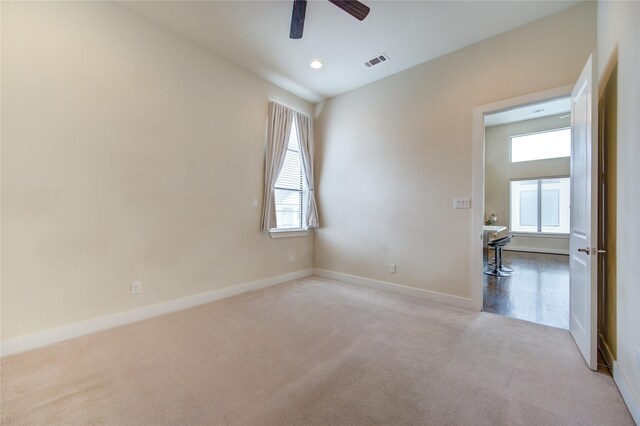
x=287 y=233
x=294 y=232
x=534 y=234
x=538 y=235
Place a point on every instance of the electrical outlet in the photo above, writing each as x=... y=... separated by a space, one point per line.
x=254 y=203
x=462 y=203
x=392 y=268
x=292 y=259
x=136 y=287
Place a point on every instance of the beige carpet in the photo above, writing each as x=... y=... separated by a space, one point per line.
x=313 y=352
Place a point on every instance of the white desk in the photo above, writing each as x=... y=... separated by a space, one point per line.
x=494 y=231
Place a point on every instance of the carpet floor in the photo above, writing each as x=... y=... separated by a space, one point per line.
x=312 y=351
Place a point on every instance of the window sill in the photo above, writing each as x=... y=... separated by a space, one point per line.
x=539 y=235
x=287 y=233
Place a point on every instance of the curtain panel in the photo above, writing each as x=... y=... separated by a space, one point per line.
x=305 y=140
x=278 y=131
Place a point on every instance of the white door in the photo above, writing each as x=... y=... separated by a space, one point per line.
x=584 y=219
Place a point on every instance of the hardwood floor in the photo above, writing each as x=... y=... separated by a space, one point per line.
x=537 y=290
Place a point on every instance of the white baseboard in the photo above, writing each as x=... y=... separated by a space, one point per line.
x=536 y=250
x=461 y=302
x=624 y=386
x=66 y=332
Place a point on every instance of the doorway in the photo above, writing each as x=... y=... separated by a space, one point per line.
x=583 y=250
x=526 y=212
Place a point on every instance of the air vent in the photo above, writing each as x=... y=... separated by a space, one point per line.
x=376 y=60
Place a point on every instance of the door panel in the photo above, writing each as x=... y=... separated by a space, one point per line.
x=579 y=162
x=583 y=230
x=579 y=292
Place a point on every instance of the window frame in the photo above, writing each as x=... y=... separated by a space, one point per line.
x=536 y=133
x=303 y=229
x=539 y=217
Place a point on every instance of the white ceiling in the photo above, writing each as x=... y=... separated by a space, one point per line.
x=528 y=112
x=255 y=35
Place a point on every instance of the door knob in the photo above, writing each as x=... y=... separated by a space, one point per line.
x=586 y=250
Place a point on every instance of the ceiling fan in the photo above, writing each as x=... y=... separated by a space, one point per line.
x=352 y=7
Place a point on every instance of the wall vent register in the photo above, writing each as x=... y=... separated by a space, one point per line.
x=376 y=60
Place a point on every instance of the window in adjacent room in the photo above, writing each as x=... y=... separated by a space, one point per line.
x=289 y=190
x=541 y=146
x=540 y=206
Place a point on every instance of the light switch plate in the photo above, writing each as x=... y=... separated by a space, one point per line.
x=462 y=203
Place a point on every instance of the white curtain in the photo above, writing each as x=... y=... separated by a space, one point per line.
x=278 y=131
x=305 y=140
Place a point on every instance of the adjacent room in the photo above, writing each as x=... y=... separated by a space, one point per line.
x=319 y=212
x=527 y=199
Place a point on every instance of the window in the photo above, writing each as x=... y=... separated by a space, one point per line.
x=541 y=146
x=540 y=206
x=289 y=190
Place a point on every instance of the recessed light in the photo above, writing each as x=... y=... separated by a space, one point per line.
x=315 y=64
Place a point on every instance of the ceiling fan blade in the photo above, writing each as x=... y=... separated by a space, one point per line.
x=353 y=7
x=297 y=18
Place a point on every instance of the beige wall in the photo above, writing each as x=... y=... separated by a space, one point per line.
x=394 y=154
x=499 y=171
x=619 y=44
x=128 y=154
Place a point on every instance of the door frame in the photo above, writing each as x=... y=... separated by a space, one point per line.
x=478 y=175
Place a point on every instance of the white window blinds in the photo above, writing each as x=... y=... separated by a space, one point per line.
x=540 y=205
x=289 y=187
